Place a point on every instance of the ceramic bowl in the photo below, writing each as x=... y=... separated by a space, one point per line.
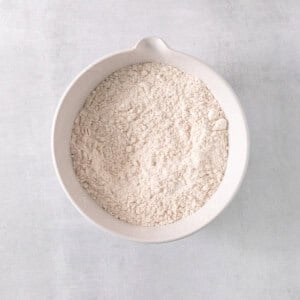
x=149 y=50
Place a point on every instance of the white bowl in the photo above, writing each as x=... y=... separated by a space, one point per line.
x=149 y=49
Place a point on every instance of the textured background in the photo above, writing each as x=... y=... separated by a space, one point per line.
x=49 y=251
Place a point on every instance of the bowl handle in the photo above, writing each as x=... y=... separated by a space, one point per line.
x=151 y=43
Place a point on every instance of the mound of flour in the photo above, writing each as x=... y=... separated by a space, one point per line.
x=150 y=144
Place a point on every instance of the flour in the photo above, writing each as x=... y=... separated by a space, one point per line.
x=150 y=144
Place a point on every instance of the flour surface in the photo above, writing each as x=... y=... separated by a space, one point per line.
x=150 y=144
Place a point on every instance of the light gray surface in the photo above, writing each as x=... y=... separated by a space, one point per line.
x=49 y=251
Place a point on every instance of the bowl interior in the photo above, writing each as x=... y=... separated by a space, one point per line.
x=149 y=50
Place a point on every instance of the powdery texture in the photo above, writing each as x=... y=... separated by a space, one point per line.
x=150 y=144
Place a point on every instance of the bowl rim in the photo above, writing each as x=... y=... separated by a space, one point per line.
x=152 y=41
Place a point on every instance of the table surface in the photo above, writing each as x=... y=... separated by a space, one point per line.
x=49 y=251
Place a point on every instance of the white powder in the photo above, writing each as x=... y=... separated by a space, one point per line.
x=150 y=144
